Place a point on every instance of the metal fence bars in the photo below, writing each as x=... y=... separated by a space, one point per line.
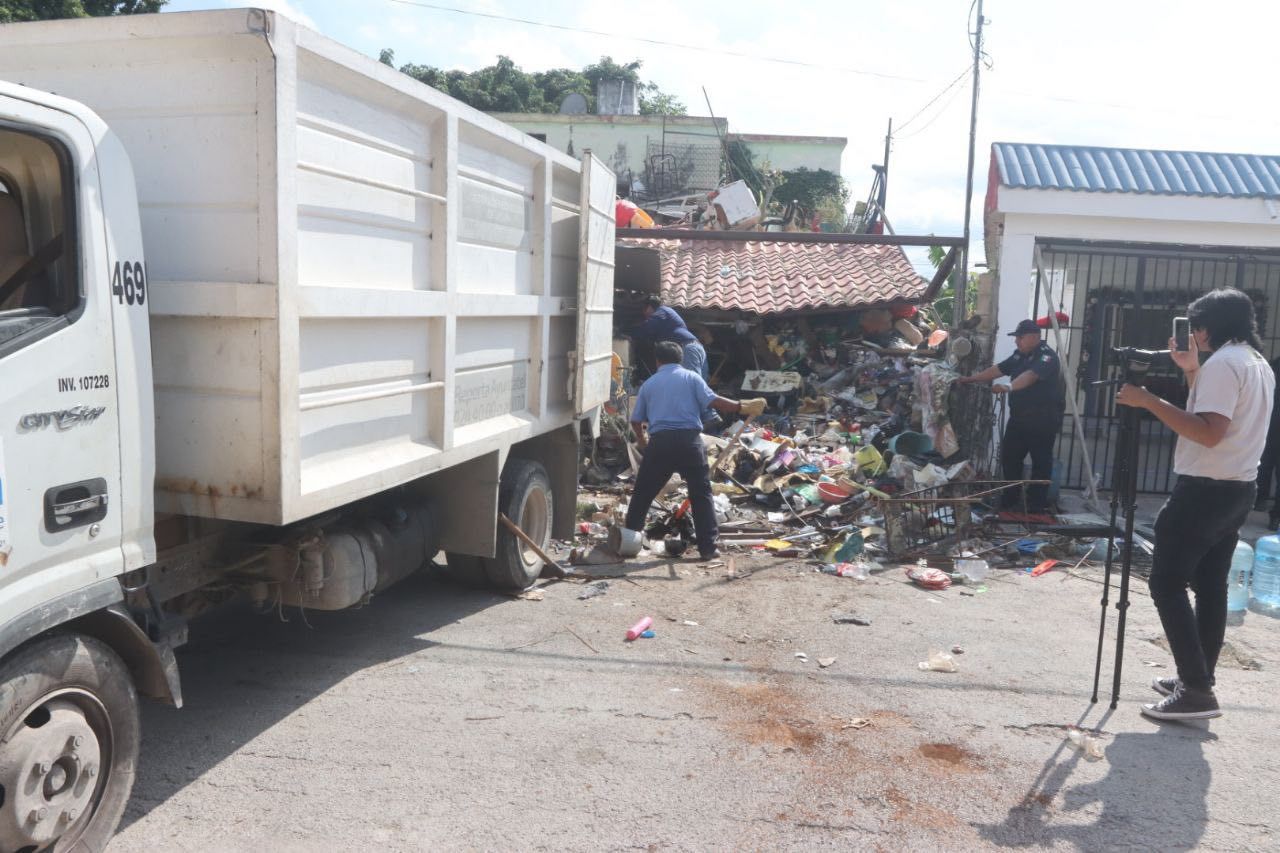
x=926 y=520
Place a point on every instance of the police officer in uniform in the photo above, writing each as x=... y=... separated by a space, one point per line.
x=667 y=420
x=1036 y=408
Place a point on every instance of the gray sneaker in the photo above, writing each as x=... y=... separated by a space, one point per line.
x=1166 y=686
x=1185 y=703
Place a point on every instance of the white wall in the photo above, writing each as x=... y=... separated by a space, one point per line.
x=1067 y=215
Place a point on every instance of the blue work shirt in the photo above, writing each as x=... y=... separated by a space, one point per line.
x=665 y=325
x=672 y=398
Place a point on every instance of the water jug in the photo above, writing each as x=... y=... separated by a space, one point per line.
x=1265 y=595
x=1238 y=582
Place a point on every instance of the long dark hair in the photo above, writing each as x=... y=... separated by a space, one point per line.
x=1227 y=315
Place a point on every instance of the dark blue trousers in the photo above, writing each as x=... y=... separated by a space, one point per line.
x=676 y=451
x=1196 y=535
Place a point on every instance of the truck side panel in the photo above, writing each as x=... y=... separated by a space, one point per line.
x=358 y=281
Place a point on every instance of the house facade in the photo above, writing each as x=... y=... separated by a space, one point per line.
x=1126 y=238
x=672 y=154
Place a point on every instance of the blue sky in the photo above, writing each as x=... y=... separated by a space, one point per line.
x=1172 y=74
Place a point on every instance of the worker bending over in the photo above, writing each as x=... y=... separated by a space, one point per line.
x=670 y=403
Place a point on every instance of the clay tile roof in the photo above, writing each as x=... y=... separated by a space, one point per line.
x=772 y=277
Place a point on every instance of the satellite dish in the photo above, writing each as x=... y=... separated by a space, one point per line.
x=574 y=104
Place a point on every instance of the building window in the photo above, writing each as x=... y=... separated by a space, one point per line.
x=541 y=137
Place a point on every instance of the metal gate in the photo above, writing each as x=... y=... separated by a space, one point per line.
x=1127 y=295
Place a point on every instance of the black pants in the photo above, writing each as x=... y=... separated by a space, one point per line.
x=1029 y=435
x=1270 y=462
x=672 y=451
x=1196 y=535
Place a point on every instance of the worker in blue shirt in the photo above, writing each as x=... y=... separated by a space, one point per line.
x=671 y=403
x=664 y=324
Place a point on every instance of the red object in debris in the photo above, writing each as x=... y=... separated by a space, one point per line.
x=1043 y=567
x=623 y=211
x=640 y=627
x=903 y=312
x=1044 y=323
x=929 y=578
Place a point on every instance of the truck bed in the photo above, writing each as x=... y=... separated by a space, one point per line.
x=354 y=279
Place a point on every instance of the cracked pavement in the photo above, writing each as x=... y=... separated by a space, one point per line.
x=446 y=718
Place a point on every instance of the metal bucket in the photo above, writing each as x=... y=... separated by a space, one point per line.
x=624 y=542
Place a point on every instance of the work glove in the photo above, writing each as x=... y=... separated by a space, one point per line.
x=752 y=407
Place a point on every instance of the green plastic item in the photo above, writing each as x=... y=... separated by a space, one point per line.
x=852 y=547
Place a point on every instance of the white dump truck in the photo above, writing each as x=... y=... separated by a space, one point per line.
x=276 y=321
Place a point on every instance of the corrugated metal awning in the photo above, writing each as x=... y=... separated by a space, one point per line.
x=1130 y=170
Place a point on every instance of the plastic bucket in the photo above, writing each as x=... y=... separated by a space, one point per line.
x=911 y=444
x=625 y=542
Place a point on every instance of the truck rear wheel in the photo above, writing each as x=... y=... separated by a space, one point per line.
x=68 y=745
x=524 y=497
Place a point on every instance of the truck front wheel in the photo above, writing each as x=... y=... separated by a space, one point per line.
x=68 y=745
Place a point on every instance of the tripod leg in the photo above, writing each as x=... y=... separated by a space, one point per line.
x=1118 y=477
x=1126 y=563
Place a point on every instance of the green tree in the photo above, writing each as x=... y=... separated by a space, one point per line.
x=505 y=87
x=15 y=11
x=945 y=302
x=814 y=189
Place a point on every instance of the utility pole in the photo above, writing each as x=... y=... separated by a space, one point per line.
x=962 y=286
x=884 y=176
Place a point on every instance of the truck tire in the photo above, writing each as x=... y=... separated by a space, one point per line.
x=69 y=719
x=524 y=496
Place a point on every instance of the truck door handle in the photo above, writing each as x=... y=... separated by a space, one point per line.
x=75 y=504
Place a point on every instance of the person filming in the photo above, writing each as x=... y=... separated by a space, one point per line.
x=1220 y=439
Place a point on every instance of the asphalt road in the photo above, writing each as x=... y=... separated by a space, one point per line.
x=442 y=718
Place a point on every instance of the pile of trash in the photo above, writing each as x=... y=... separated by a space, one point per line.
x=855 y=462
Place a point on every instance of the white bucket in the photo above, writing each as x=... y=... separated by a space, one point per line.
x=625 y=542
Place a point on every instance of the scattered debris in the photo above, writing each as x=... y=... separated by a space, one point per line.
x=532 y=595
x=850 y=619
x=957 y=650
x=581 y=640
x=825 y=662
x=927 y=578
x=939 y=661
x=593 y=589
x=639 y=628
x=1086 y=742
x=856 y=723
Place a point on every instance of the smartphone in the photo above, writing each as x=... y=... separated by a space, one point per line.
x=1181 y=331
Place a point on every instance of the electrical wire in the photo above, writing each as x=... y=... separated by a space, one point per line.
x=963 y=73
x=684 y=46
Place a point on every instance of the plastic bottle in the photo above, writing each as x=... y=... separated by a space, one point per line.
x=1265 y=594
x=1238 y=582
x=640 y=627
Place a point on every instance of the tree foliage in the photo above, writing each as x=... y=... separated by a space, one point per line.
x=504 y=87
x=812 y=188
x=16 y=11
x=945 y=302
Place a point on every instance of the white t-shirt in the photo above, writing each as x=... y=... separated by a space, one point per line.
x=1235 y=382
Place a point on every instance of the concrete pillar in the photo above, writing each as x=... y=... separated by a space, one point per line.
x=1014 y=288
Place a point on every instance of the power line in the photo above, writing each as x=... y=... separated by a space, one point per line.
x=963 y=73
x=937 y=115
x=698 y=47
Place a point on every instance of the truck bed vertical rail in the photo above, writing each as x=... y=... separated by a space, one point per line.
x=595 y=285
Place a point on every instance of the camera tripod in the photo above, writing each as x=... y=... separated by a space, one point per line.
x=1124 y=493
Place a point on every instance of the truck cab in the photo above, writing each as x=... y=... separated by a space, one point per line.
x=76 y=456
